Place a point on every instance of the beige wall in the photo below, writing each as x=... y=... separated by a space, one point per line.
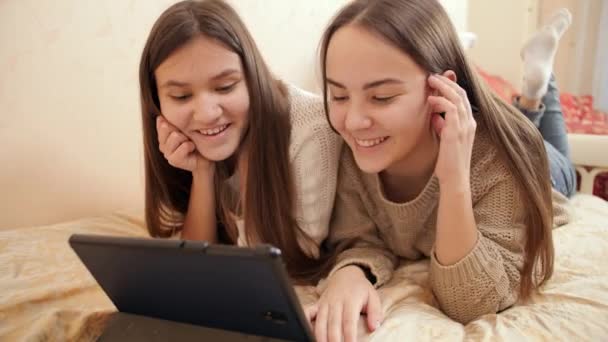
x=458 y=11
x=288 y=33
x=575 y=59
x=69 y=123
x=600 y=86
x=69 y=128
x=503 y=27
x=289 y=39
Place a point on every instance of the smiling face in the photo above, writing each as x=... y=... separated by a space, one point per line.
x=377 y=99
x=203 y=92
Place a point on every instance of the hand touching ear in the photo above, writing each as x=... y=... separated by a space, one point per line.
x=456 y=131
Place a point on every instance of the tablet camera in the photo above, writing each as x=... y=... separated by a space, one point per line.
x=275 y=317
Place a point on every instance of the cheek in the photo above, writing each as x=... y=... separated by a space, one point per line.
x=336 y=117
x=415 y=111
x=177 y=114
x=406 y=119
x=237 y=105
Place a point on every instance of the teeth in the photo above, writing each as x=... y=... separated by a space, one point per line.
x=371 y=142
x=214 y=131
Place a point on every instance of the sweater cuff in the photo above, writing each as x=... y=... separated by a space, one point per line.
x=479 y=263
x=378 y=265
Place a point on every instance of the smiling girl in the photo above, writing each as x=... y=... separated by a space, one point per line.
x=436 y=167
x=232 y=154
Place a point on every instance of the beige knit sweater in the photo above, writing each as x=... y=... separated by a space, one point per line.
x=486 y=280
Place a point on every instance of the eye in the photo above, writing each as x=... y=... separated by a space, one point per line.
x=180 y=97
x=339 y=98
x=383 y=99
x=226 y=89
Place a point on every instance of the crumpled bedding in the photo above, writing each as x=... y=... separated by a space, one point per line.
x=46 y=294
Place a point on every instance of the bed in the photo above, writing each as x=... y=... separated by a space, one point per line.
x=46 y=294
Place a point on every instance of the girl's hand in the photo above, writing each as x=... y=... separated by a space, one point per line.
x=179 y=151
x=456 y=131
x=347 y=295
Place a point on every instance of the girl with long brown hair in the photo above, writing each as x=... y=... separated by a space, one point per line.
x=232 y=154
x=437 y=166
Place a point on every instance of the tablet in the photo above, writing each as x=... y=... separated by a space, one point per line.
x=224 y=287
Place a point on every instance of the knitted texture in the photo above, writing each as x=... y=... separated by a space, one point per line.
x=314 y=154
x=486 y=280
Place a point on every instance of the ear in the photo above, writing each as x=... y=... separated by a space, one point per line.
x=451 y=75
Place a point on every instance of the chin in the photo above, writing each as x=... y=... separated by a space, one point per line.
x=369 y=165
x=220 y=154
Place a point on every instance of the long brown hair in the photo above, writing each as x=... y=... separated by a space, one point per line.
x=423 y=30
x=269 y=194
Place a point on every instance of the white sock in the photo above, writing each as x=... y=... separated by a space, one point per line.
x=538 y=54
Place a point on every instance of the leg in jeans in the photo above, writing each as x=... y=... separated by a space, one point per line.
x=552 y=125
x=550 y=121
x=540 y=100
x=549 y=118
x=563 y=175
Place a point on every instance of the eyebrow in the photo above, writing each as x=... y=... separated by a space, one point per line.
x=225 y=73
x=368 y=85
x=173 y=83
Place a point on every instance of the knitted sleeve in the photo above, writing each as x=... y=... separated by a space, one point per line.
x=315 y=152
x=352 y=223
x=486 y=280
x=315 y=166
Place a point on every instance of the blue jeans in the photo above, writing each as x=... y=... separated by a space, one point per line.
x=550 y=122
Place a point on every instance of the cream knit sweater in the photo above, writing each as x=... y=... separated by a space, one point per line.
x=486 y=280
x=314 y=154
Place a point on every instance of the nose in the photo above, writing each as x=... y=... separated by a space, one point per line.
x=207 y=109
x=356 y=119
